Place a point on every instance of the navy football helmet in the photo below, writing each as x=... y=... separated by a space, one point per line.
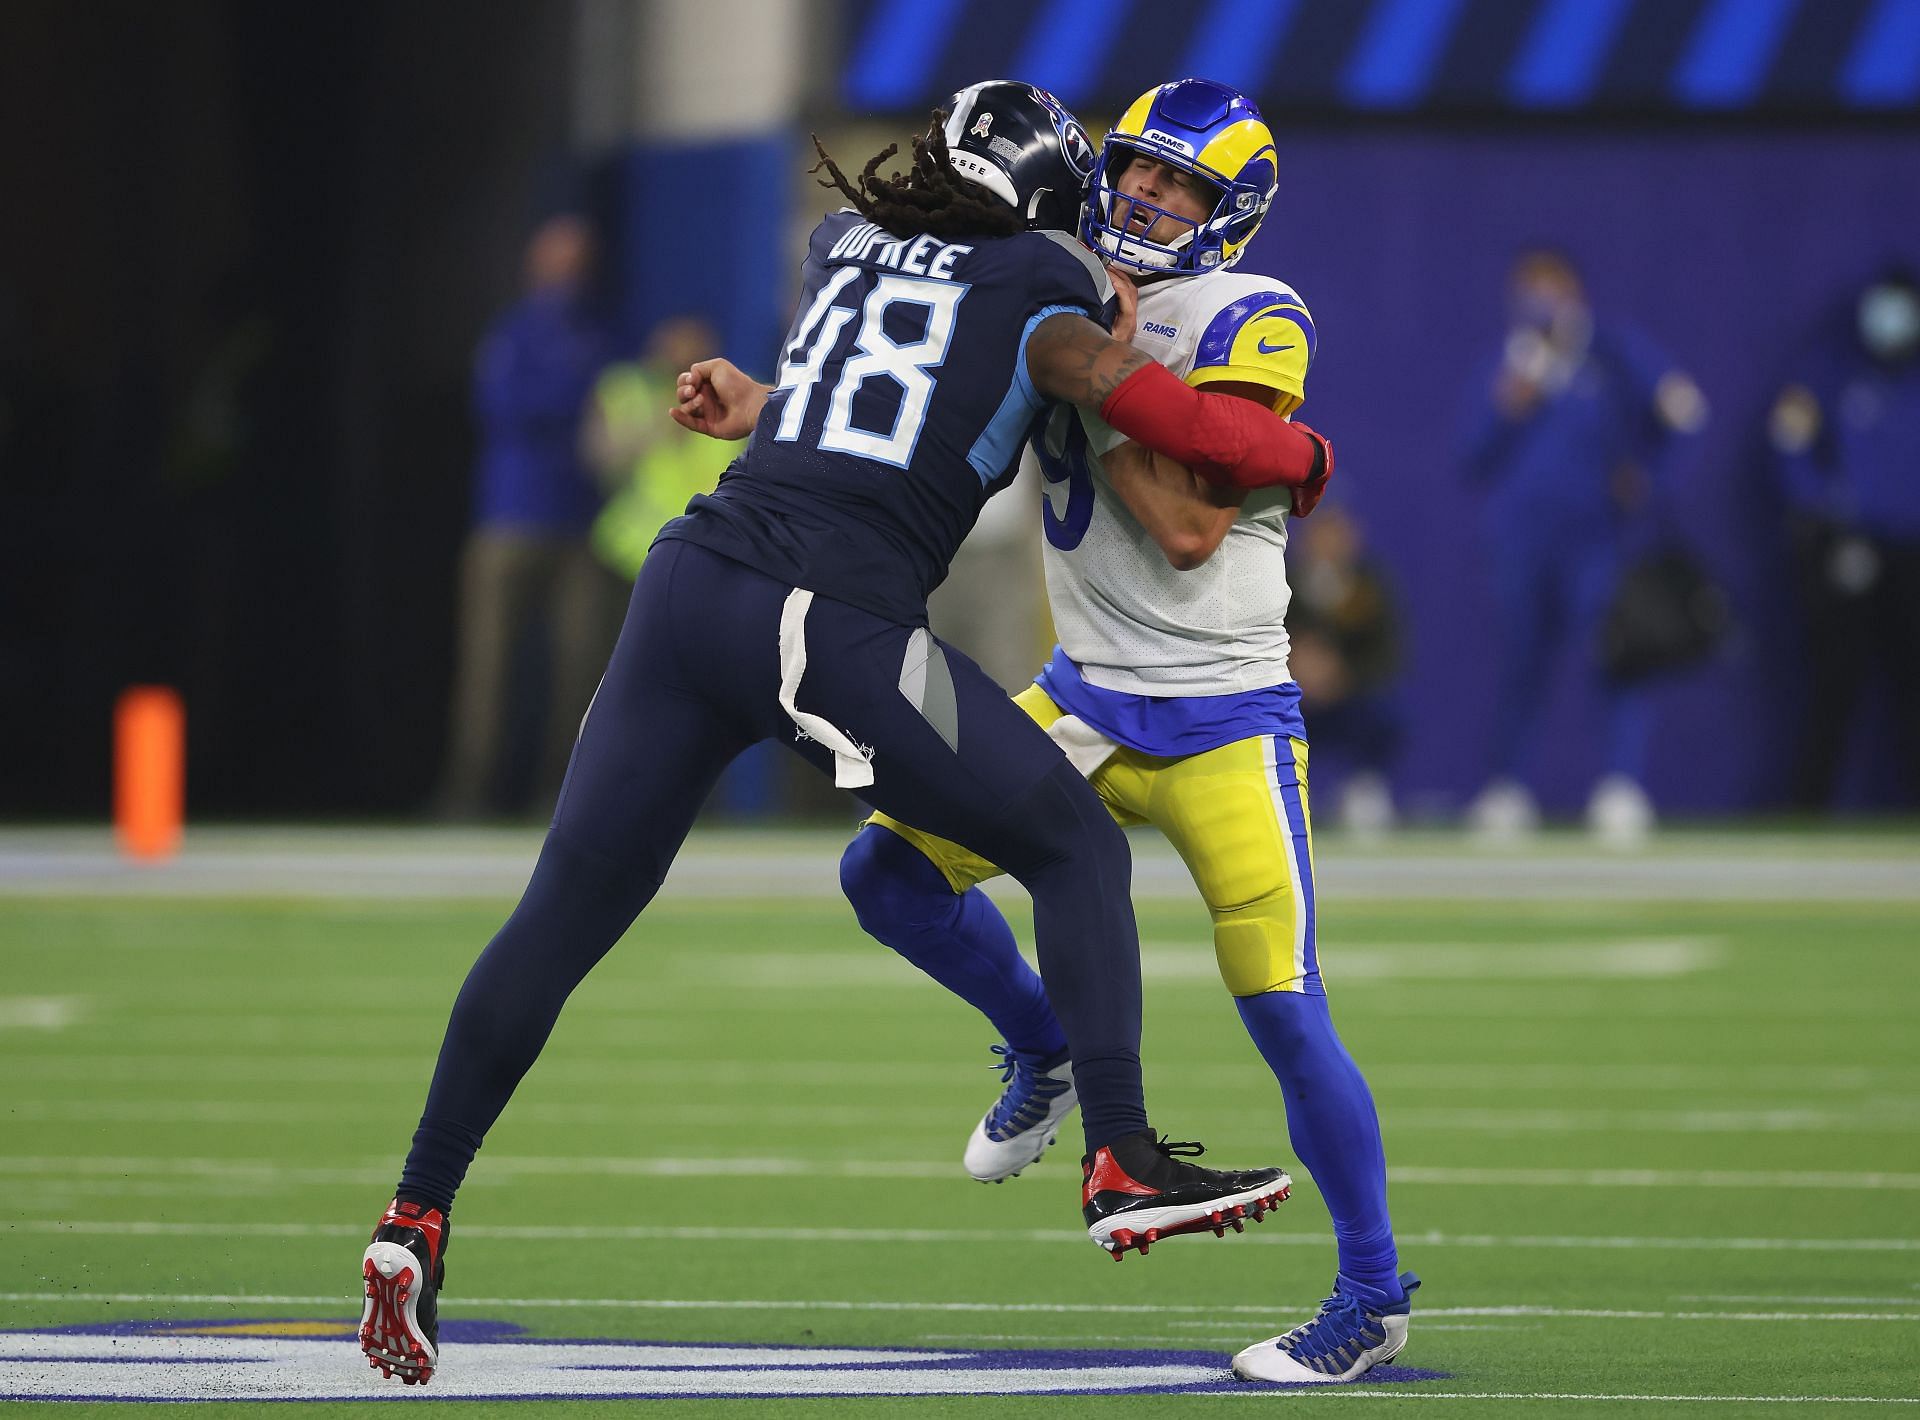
x=1019 y=143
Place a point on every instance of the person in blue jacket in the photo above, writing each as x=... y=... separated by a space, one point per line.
x=527 y=561
x=1576 y=420
x=1846 y=438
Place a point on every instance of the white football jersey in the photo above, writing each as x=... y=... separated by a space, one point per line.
x=1123 y=614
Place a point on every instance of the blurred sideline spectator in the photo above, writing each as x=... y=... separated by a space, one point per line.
x=652 y=468
x=1846 y=436
x=649 y=466
x=527 y=562
x=1345 y=655
x=993 y=600
x=1577 y=416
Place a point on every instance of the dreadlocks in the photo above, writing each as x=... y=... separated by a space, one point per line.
x=930 y=198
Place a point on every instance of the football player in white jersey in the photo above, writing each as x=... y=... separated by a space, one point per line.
x=1170 y=691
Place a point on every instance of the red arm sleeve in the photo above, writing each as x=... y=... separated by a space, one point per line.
x=1228 y=441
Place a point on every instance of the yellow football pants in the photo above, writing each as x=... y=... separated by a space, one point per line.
x=1238 y=817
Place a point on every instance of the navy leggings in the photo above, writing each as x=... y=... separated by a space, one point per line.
x=694 y=680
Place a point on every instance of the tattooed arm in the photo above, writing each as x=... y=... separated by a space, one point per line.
x=1071 y=359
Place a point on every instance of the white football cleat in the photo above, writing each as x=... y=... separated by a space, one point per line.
x=1026 y=1118
x=1503 y=812
x=1620 y=815
x=1343 y=1342
x=1366 y=806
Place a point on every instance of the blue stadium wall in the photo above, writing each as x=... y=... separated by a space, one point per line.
x=701 y=230
x=1733 y=251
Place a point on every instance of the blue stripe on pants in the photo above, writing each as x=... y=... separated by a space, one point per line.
x=1293 y=799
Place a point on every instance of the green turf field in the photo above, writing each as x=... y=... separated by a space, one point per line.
x=1655 y=1148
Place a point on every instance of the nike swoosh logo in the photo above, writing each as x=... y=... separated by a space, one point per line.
x=1266 y=349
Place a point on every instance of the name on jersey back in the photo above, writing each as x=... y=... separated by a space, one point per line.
x=915 y=256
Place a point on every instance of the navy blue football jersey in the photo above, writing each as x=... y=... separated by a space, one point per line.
x=902 y=405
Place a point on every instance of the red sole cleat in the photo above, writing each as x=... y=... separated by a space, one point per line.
x=1125 y=1240
x=386 y=1327
x=1156 y=1220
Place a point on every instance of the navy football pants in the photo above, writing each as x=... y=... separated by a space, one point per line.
x=694 y=680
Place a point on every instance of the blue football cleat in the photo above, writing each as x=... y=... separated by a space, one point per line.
x=1345 y=1339
x=1027 y=1116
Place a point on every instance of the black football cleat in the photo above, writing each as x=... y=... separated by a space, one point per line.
x=404 y=1268
x=1136 y=1191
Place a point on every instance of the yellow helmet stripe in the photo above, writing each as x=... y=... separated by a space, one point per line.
x=1239 y=145
x=1134 y=121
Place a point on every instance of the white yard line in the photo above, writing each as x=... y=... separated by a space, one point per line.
x=1452 y=1077
x=1631 y=1314
x=494 y=1170
x=1425 y=1325
x=1558 y=958
x=915 y=1075
x=402 y=864
x=40 y=1013
x=570 y=1112
x=1908 y=1301
x=1901 y=1118
x=1062 y=1343
x=1226 y=1340
x=1869 y=1181
x=840 y=1305
x=1335 y=1392
x=941 y=1236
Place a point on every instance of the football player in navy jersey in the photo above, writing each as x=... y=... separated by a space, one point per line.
x=938 y=320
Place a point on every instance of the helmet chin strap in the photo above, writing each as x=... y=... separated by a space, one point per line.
x=1152 y=255
x=1144 y=254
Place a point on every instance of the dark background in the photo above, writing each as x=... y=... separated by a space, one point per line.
x=246 y=253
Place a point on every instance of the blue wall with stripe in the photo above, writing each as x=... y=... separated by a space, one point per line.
x=1601 y=57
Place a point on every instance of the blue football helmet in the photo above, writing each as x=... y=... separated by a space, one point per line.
x=1200 y=127
x=1020 y=144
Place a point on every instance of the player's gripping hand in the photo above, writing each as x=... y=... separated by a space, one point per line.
x=718 y=399
x=1307 y=496
x=1126 y=303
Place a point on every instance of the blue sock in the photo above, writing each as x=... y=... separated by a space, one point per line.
x=961 y=940
x=1334 y=1129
